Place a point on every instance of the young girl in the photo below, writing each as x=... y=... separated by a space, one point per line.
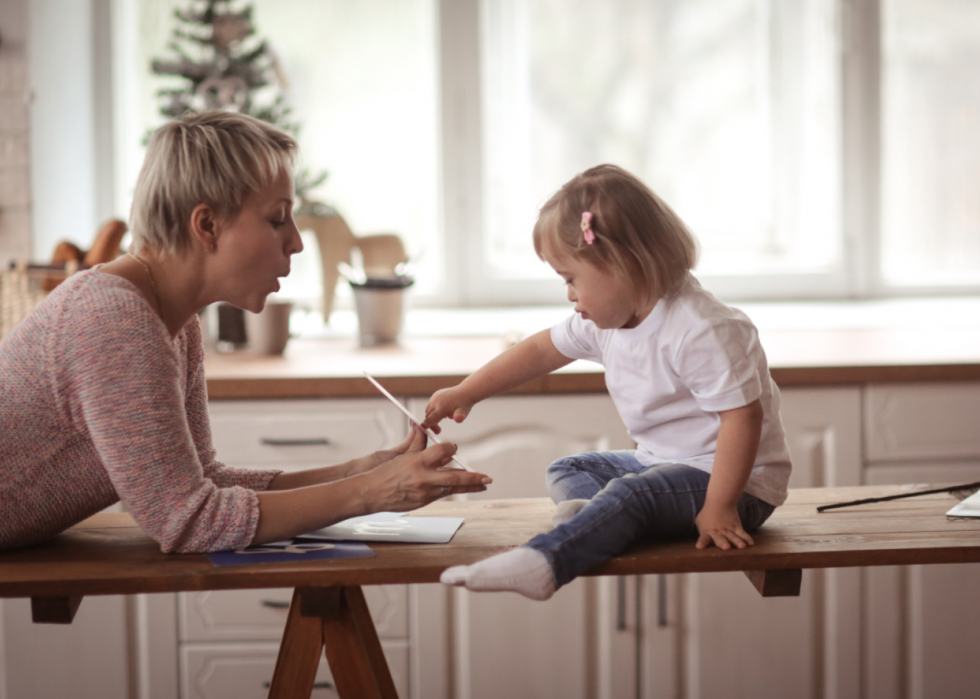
x=686 y=372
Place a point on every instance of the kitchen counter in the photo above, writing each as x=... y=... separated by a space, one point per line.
x=807 y=345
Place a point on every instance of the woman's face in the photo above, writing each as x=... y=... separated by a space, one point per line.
x=253 y=250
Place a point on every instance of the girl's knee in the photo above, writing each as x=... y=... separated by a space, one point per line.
x=559 y=469
x=556 y=472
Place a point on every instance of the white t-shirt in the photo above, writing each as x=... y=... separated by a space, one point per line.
x=692 y=357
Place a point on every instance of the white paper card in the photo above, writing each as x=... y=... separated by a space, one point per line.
x=969 y=507
x=391 y=526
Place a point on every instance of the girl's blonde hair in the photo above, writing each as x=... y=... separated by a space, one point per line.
x=216 y=158
x=637 y=235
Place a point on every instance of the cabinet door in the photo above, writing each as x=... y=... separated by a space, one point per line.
x=302 y=433
x=505 y=645
x=260 y=615
x=88 y=659
x=244 y=670
x=923 y=622
x=735 y=643
x=922 y=422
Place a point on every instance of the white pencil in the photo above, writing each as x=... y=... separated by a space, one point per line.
x=431 y=435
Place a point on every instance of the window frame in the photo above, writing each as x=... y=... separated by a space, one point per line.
x=859 y=275
x=462 y=185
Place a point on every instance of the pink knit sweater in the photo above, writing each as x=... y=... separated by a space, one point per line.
x=97 y=405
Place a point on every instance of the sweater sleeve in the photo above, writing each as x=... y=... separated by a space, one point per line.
x=196 y=404
x=122 y=386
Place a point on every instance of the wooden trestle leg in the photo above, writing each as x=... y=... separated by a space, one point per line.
x=336 y=619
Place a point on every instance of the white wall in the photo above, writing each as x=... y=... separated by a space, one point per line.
x=15 y=219
x=70 y=121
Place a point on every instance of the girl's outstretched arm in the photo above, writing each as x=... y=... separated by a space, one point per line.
x=528 y=359
x=738 y=443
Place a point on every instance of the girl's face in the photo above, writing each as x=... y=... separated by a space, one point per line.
x=605 y=298
x=254 y=249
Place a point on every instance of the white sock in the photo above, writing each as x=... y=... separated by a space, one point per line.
x=566 y=510
x=522 y=570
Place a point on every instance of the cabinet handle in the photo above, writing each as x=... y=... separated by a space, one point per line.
x=314 y=442
x=620 y=602
x=638 y=659
x=275 y=604
x=316 y=685
x=662 y=601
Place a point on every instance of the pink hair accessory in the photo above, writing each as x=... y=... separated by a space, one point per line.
x=587 y=231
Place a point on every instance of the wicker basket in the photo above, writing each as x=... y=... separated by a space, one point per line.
x=24 y=286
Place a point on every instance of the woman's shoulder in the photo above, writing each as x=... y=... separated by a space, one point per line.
x=92 y=288
x=94 y=303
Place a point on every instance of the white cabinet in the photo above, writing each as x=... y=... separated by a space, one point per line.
x=287 y=434
x=870 y=633
x=738 y=643
x=503 y=644
x=873 y=633
x=923 y=622
x=229 y=641
x=88 y=659
x=224 y=644
x=712 y=635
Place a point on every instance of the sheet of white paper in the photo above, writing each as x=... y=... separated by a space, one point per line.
x=391 y=526
x=969 y=507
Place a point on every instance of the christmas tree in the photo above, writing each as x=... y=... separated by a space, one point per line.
x=223 y=67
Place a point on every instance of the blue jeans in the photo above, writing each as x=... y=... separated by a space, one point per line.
x=629 y=502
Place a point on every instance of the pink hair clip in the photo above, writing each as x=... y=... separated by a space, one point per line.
x=587 y=231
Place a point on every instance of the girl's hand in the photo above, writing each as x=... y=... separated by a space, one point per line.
x=448 y=402
x=367 y=463
x=418 y=477
x=722 y=527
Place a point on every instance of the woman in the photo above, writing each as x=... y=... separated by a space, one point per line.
x=102 y=391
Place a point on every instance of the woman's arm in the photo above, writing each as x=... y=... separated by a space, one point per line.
x=123 y=387
x=327 y=474
x=199 y=422
x=533 y=357
x=407 y=482
x=738 y=443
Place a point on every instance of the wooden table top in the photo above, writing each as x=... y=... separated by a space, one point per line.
x=109 y=554
x=419 y=366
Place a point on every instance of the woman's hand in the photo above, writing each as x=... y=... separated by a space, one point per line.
x=448 y=402
x=418 y=477
x=413 y=477
x=722 y=527
x=367 y=463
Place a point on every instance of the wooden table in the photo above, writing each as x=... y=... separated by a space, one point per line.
x=109 y=555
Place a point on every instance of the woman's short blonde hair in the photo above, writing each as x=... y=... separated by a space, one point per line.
x=637 y=236
x=216 y=158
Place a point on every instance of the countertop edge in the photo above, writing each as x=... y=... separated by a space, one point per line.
x=247 y=388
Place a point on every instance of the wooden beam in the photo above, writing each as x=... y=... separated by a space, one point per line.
x=776 y=583
x=54 y=610
x=320 y=601
x=299 y=654
x=354 y=652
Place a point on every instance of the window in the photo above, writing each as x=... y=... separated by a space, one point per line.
x=817 y=148
x=728 y=110
x=930 y=144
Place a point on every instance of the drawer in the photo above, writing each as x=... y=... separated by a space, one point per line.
x=260 y=615
x=243 y=671
x=302 y=432
x=925 y=421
